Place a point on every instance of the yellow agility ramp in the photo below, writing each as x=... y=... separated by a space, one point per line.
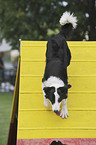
x=37 y=123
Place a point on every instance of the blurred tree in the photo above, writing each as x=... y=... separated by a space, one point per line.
x=85 y=10
x=37 y=20
x=28 y=19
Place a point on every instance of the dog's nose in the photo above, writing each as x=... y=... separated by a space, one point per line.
x=56 y=111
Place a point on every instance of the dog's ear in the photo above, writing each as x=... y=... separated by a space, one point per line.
x=64 y=89
x=68 y=86
x=61 y=90
x=49 y=90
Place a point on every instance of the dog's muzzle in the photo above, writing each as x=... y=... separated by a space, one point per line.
x=57 y=112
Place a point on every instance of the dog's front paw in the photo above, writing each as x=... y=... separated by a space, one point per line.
x=64 y=113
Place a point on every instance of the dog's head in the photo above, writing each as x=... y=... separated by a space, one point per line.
x=56 y=95
x=57 y=143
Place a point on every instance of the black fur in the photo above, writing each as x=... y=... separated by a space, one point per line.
x=49 y=91
x=58 y=57
x=57 y=143
x=62 y=91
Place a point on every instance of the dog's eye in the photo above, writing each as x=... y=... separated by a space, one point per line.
x=62 y=90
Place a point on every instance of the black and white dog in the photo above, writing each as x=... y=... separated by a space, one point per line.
x=55 y=81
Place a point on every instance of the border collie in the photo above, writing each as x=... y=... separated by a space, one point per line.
x=55 y=81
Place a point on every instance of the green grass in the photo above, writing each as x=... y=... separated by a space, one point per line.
x=5 y=112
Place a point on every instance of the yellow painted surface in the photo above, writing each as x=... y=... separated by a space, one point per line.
x=80 y=50
x=79 y=83
x=75 y=102
x=80 y=68
x=35 y=121
x=49 y=120
x=56 y=133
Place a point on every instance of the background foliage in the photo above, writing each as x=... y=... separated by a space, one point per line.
x=37 y=20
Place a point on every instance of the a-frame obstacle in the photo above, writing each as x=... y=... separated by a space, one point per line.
x=38 y=125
